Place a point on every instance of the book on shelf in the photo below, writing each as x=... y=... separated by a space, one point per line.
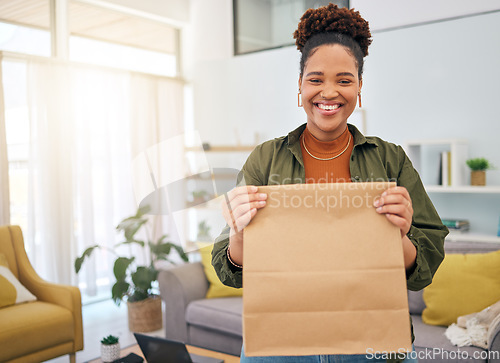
x=457 y=232
x=461 y=225
x=445 y=169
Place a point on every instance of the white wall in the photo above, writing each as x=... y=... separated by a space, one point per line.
x=209 y=34
x=440 y=81
x=437 y=81
x=384 y=14
x=257 y=92
x=247 y=94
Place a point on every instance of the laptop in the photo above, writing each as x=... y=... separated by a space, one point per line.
x=161 y=350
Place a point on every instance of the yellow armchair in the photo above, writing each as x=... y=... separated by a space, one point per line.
x=43 y=329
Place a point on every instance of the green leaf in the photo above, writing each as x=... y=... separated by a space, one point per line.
x=129 y=226
x=160 y=249
x=161 y=239
x=181 y=252
x=140 y=243
x=119 y=290
x=139 y=296
x=120 y=267
x=142 y=211
x=479 y=164
x=110 y=340
x=86 y=253
x=144 y=277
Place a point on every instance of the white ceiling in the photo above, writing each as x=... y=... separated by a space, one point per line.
x=26 y=12
x=94 y=22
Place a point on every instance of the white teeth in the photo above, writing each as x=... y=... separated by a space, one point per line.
x=328 y=107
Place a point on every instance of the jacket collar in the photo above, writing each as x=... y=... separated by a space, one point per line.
x=359 y=138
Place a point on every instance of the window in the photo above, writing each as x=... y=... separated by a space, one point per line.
x=17 y=129
x=25 y=26
x=98 y=36
x=267 y=24
x=105 y=37
x=93 y=51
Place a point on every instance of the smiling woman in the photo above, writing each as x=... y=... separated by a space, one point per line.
x=326 y=149
x=329 y=91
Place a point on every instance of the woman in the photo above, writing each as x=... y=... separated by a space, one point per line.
x=333 y=43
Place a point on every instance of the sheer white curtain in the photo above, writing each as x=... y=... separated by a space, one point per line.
x=4 y=165
x=50 y=218
x=162 y=142
x=87 y=125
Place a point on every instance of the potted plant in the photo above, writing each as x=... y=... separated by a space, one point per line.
x=478 y=167
x=110 y=348
x=199 y=197
x=134 y=282
x=203 y=232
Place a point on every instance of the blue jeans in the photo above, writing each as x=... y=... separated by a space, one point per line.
x=356 y=358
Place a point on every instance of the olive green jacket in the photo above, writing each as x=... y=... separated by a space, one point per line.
x=279 y=161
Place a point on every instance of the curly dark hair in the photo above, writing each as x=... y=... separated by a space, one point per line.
x=333 y=25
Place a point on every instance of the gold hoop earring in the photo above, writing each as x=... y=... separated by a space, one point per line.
x=299 y=100
x=359 y=99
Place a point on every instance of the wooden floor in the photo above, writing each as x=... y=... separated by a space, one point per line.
x=99 y=320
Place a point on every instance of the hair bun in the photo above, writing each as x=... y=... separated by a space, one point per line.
x=331 y=18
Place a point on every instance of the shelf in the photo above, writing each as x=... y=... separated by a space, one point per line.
x=463 y=189
x=212 y=177
x=426 y=156
x=435 y=142
x=223 y=148
x=213 y=203
x=471 y=237
x=208 y=207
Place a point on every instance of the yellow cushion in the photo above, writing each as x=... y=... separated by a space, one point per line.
x=216 y=289
x=11 y=290
x=3 y=260
x=463 y=284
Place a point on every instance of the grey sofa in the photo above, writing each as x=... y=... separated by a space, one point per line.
x=430 y=342
x=216 y=323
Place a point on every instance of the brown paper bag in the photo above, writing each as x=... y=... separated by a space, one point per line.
x=324 y=273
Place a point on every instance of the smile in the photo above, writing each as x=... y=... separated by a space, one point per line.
x=328 y=107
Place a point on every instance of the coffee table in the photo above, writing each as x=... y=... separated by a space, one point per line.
x=200 y=351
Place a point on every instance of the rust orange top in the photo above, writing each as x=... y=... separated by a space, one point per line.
x=327 y=171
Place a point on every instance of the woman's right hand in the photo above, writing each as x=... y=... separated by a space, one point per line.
x=238 y=208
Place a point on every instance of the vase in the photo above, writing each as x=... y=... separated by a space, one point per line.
x=145 y=315
x=478 y=177
x=110 y=352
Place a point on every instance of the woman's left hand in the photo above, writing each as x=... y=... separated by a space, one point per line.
x=395 y=203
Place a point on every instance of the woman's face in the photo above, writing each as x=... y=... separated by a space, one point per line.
x=329 y=87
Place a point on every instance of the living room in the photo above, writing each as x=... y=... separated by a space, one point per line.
x=104 y=102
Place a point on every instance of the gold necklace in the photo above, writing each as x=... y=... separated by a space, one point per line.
x=326 y=159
